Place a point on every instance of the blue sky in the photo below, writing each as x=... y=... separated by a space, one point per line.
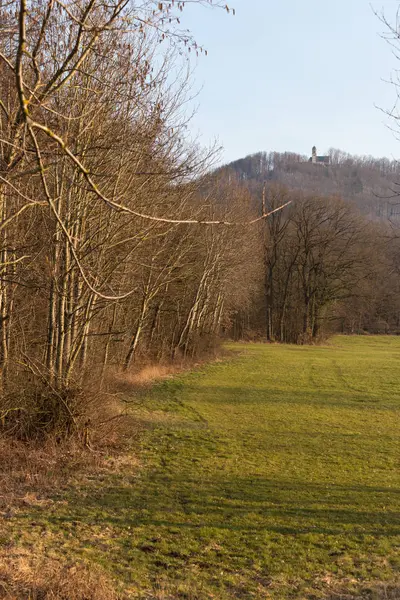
x=288 y=74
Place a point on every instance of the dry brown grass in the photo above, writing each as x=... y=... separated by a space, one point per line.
x=29 y=471
x=352 y=589
x=32 y=476
x=33 y=468
x=144 y=375
x=139 y=378
x=374 y=592
x=23 y=577
x=377 y=592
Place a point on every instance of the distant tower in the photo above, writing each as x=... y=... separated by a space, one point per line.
x=323 y=161
x=314 y=155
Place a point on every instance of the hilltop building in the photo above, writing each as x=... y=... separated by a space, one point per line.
x=318 y=160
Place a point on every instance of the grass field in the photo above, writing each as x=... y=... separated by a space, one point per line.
x=273 y=474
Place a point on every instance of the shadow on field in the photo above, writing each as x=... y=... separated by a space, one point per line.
x=335 y=396
x=241 y=505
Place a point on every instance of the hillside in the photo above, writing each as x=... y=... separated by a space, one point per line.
x=369 y=183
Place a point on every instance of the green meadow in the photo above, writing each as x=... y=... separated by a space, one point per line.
x=273 y=474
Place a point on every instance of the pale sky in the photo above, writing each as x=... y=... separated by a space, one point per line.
x=288 y=74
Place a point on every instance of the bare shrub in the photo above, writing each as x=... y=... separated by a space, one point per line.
x=32 y=409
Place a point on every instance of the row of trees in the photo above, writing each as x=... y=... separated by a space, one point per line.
x=113 y=243
x=325 y=268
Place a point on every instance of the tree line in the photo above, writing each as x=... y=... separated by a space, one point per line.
x=114 y=244
x=325 y=268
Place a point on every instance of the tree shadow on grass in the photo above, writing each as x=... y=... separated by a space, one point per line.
x=331 y=397
x=247 y=504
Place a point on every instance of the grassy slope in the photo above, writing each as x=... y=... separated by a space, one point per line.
x=272 y=475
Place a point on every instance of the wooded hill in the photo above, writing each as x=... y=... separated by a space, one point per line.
x=329 y=259
x=371 y=184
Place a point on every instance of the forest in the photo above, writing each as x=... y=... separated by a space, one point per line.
x=328 y=262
